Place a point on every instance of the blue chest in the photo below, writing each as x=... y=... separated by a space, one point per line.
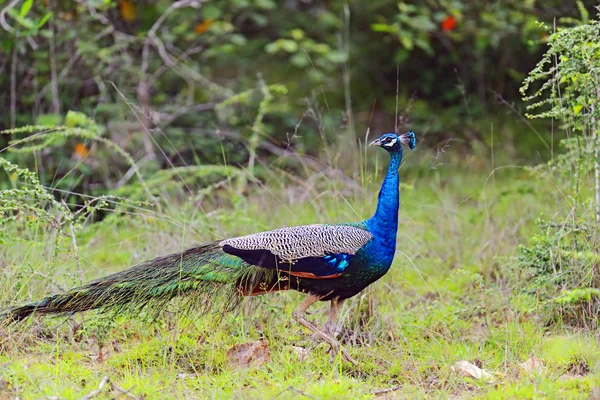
x=376 y=257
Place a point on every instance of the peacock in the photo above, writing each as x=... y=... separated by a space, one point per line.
x=328 y=262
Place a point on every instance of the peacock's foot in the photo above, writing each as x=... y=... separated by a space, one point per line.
x=330 y=330
x=337 y=348
x=298 y=315
x=328 y=335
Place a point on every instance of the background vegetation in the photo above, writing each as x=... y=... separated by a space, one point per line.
x=131 y=130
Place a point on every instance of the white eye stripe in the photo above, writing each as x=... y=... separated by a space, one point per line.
x=390 y=143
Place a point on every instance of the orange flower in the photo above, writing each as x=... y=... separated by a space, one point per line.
x=127 y=9
x=449 y=23
x=81 y=150
x=203 y=26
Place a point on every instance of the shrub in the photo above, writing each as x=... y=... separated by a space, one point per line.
x=564 y=260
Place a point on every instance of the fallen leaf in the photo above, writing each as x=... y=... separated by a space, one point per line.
x=533 y=366
x=246 y=354
x=465 y=368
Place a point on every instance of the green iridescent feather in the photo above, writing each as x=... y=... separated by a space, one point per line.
x=204 y=277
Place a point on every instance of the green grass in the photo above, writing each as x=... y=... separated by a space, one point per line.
x=452 y=294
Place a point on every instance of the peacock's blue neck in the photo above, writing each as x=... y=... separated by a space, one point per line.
x=384 y=224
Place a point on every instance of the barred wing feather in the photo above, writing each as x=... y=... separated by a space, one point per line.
x=311 y=251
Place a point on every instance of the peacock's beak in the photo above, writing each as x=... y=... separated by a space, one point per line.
x=375 y=142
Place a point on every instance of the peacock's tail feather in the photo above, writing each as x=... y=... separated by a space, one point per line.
x=202 y=276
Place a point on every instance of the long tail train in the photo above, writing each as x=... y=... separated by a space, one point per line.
x=198 y=275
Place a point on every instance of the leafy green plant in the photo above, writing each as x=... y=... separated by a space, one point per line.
x=564 y=259
x=569 y=92
x=562 y=267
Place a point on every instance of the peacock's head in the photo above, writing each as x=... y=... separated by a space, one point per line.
x=393 y=143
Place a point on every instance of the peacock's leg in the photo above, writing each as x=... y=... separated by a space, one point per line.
x=298 y=315
x=331 y=326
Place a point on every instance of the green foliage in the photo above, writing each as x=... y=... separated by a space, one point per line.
x=209 y=177
x=28 y=25
x=26 y=196
x=77 y=125
x=168 y=64
x=565 y=258
x=488 y=37
x=569 y=78
x=579 y=295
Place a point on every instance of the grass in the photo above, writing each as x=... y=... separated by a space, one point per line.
x=452 y=294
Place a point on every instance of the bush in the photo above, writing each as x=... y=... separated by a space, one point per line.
x=563 y=270
x=564 y=260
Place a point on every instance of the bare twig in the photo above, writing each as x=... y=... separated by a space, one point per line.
x=13 y=88
x=9 y=29
x=502 y=101
x=98 y=17
x=130 y=172
x=169 y=118
x=347 y=95
x=96 y=392
x=184 y=71
x=595 y=128
x=143 y=90
x=134 y=108
x=3 y=22
x=123 y=392
x=322 y=168
x=257 y=126
x=384 y=391
x=114 y=386
x=164 y=68
x=292 y=389
x=53 y=68
x=63 y=73
x=271 y=148
x=74 y=242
